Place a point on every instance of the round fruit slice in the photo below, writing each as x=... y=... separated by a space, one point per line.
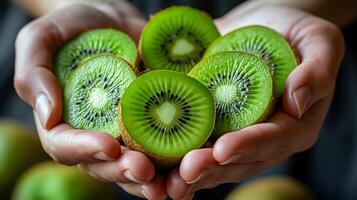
x=176 y=38
x=93 y=42
x=93 y=91
x=242 y=88
x=166 y=114
x=265 y=43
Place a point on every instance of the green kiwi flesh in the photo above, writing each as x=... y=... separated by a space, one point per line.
x=176 y=38
x=264 y=42
x=242 y=88
x=166 y=114
x=93 y=42
x=93 y=91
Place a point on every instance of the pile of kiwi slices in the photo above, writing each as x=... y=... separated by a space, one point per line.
x=196 y=86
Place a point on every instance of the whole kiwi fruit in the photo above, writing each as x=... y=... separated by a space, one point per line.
x=52 y=181
x=272 y=188
x=19 y=149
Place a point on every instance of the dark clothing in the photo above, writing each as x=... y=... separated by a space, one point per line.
x=329 y=168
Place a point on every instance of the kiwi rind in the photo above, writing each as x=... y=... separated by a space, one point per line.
x=228 y=64
x=264 y=42
x=152 y=54
x=90 y=43
x=165 y=155
x=105 y=65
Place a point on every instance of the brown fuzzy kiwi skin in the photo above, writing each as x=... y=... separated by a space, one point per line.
x=159 y=161
x=145 y=27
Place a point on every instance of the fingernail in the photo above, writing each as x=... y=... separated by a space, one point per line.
x=302 y=98
x=234 y=159
x=43 y=109
x=203 y=174
x=102 y=156
x=127 y=174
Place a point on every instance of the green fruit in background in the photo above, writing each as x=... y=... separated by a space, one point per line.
x=19 y=149
x=52 y=181
x=272 y=188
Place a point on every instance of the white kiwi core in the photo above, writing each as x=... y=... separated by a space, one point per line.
x=166 y=112
x=226 y=93
x=98 y=97
x=182 y=47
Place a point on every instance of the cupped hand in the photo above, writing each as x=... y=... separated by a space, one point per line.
x=308 y=92
x=98 y=154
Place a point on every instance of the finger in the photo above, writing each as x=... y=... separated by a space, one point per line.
x=155 y=189
x=176 y=187
x=131 y=167
x=71 y=146
x=196 y=164
x=35 y=46
x=321 y=47
x=281 y=136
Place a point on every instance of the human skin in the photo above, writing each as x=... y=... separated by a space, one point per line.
x=235 y=156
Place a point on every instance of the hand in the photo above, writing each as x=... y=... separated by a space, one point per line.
x=98 y=154
x=309 y=90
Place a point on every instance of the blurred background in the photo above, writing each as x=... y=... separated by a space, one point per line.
x=329 y=169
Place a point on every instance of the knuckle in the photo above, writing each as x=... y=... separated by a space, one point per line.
x=29 y=31
x=21 y=80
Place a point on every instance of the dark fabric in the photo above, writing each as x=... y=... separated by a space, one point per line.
x=329 y=168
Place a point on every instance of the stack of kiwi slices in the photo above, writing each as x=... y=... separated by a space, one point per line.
x=94 y=69
x=245 y=71
x=198 y=85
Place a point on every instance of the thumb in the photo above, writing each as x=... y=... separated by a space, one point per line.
x=314 y=79
x=42 y=91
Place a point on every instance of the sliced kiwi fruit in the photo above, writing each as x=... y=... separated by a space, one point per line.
x=93 y=91
x=166 y=114
x=176 y=38
x=93 y=42
x=242 y=88
x=264 y=42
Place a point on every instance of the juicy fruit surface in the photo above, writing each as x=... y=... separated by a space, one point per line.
x=176 y=38
x=93 y=91
x=51 y=181
x=19 y=149
x=167 y=113
x=241 y=85
x=93 y=42
x=272 y=188
x=264 y=42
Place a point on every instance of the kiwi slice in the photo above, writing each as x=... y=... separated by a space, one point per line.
x=93 y=42
x=176 y=38
x=242 y=88
x=264 y=42
x=166 y=114
x=92 y=93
